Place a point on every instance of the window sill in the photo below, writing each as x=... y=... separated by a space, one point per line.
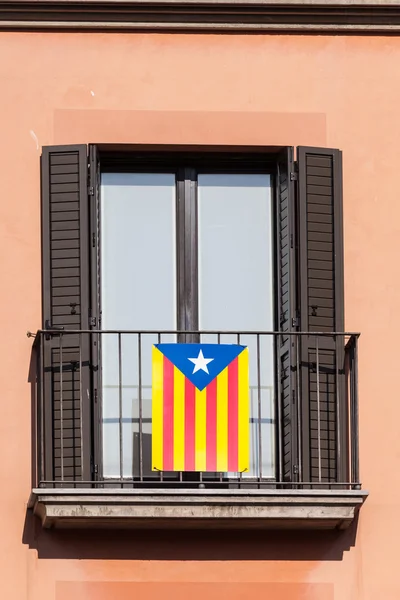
x=191 y=509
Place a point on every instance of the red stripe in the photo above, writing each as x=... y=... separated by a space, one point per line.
x=233 y=447
x=168 y=412
x=211 y=425
x=190 y=401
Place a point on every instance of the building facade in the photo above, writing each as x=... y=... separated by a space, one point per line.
x=214 y=173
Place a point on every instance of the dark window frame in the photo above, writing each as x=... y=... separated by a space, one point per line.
x=186 y=166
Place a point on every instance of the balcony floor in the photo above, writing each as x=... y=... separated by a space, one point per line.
x=193 y=509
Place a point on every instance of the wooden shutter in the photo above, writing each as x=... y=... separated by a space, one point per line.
x=286 y=345
x=66 y=283
x=321 y=295
x=95 y=310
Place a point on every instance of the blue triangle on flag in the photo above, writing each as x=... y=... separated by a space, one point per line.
x=200 y=363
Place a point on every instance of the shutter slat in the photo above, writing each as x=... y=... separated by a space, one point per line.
x=321 y=255
x=64 y=226
x=321 y=283
x=64 y=244
x=319 y=207
x=319 y=180
x=66 y=178
x=71 y=215
x=321 y=200
x=319 y=217
x=63 y=234
x=321 y=265
x=319 y=171
x=320 y=227
x=63 y=169
x=63 y=197
x=319 y=292
x=318 y=190
x=66 y=291
x=65 y=206
x=66 y=309
x=319 y=161
x=63 y=188
x=64 y=282
x=67 y=253
x=320 y=274
x=64 y=300
x=316 y=237
x=65 y=266
x=67 y=443
x=63 y=263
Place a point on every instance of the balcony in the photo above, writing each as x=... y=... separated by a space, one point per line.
x=92 y=417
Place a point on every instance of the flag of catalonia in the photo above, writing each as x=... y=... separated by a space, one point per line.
x=200 y=408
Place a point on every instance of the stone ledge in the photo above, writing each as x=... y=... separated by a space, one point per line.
x=278 y=16
x=212 y=509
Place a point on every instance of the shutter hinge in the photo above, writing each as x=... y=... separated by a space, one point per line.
x=93 y=240
x=295 y=322
x=91 y=191
x=95 y=394
x=295 y=469
x=92 y=321
x=293 y=176
x=293 y=397
x=291 y=241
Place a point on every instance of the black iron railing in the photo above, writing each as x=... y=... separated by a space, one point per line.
x=93 y=410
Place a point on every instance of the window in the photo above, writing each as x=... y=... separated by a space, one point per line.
x=232 y=271
x=244 y=241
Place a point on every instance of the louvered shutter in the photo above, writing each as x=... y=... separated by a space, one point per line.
x=66 y=283
x=321 y=309
x=95 y=311
x=286 y=345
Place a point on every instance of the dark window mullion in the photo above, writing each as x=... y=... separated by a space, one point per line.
x=187 y=252
x=180 y=250
x=191 y=243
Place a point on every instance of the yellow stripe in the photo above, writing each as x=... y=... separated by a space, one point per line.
x=222 y=421
x=179 y=420
x=157 y=411
x=200 y=430
x=243 y=416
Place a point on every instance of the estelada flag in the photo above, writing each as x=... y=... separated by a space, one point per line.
x=200 y=408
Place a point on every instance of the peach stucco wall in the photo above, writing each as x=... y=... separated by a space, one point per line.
x=224 y=89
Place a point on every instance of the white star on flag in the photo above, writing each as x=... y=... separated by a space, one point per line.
x=200 y=363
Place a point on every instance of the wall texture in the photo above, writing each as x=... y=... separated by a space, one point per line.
x=336 y=91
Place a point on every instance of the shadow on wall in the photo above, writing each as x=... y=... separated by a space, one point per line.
x=187 y=545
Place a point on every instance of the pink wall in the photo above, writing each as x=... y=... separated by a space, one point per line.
x=224 y=89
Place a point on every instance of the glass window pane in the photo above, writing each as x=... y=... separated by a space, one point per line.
x=236 y=287
x=138 y=291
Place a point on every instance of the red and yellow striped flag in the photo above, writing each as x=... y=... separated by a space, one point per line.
x=200 y=408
